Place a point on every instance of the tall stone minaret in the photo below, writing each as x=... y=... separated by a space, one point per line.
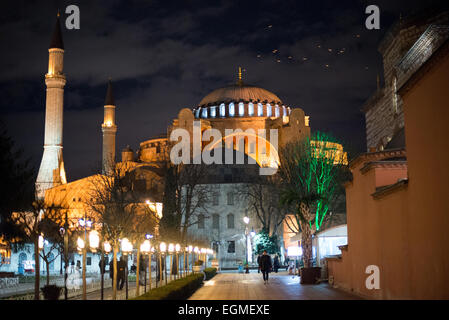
x=51 y=172
x=109 y=130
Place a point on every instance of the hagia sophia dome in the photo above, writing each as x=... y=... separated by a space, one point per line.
x=237 y=93
x=240 y=100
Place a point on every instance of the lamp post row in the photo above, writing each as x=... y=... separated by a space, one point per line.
x=174 y=250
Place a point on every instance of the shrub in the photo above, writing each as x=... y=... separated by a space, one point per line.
x=51 y=292
x=180 y=289
x=198 y=263
x=210 y=272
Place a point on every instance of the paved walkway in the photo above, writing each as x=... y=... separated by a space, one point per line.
x=281 y=286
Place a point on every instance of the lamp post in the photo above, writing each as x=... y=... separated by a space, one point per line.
x=85 y=224
x=178 y=249
x=190 y=249
x=145 y=249
x=246 y=221
x=127 y=248
x=149 y=265
x=171 y=248
x=162 y=248
x=106 y=248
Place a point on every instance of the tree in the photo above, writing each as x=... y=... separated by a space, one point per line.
x=185 y=197
x=118 y=210
x=16 y=187
x=262 y=198
x=30 y=223
x=309 y=174
x=263 y=241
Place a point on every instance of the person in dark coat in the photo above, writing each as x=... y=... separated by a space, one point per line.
x=276 y=263
x=121 y=274
x=258 y=262
x=265 y=265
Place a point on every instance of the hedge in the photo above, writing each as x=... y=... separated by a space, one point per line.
x=180 y=289
x=210 y=272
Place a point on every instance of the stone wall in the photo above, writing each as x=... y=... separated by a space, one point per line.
x=383 y=111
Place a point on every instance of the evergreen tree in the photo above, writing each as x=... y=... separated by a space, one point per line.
x=16 y=186
x=263 y=241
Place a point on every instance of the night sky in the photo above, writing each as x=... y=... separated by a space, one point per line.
x=163 y=56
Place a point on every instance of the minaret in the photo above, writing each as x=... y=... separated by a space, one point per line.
x=109 y=130
x=51 y=172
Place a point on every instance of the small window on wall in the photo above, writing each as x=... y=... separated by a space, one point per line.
x=88 y=261
x=215 y=221
x=215 y=199
x=201 y=221
x=230 y=221
x=230 y=198
x=231 y=246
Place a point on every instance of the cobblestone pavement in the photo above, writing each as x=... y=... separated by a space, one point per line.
x=281 y=286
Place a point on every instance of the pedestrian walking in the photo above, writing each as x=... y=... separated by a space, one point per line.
x=265 y=265
x=111 y=270
x=258 y=262
x=276 y=263
x=121 y=266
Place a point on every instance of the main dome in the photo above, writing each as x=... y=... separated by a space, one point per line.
x=237 y=93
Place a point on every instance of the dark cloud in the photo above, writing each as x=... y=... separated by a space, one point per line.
x=164 y=56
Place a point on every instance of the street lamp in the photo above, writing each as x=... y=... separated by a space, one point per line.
x=145 y=248
x=127 y=248
x=85 y=224
x=40 y=242
x=94 y=240
x=106 y=249
x=246 y=221
x=177 y=249
x=171 y=248
x=163 y=249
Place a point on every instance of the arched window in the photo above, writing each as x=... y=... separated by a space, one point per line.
x=204 y=113
x=276 y=111
x=259 y=110
x=269 y=111
x=201 y=221
x=22 y=258
x=230 y=221
x=51 y=258
x=231 y=109
x=222 y=110
x=230 y=198
x=241 y=109
x=197 y=113
x=213 y=112
x=215 y=221
x=284 y=110
x=250 y=109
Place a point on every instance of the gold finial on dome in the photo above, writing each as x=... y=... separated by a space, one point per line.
x=58 y=14
x=239 y=80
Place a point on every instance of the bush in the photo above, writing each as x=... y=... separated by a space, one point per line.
x=210 y=272
x=51 y=292
x=180 y=289
x=198 y=263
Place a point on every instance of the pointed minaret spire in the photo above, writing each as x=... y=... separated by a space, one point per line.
x=109 y=130
x=109 y=101
x=51 y=171
x=56 y=39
